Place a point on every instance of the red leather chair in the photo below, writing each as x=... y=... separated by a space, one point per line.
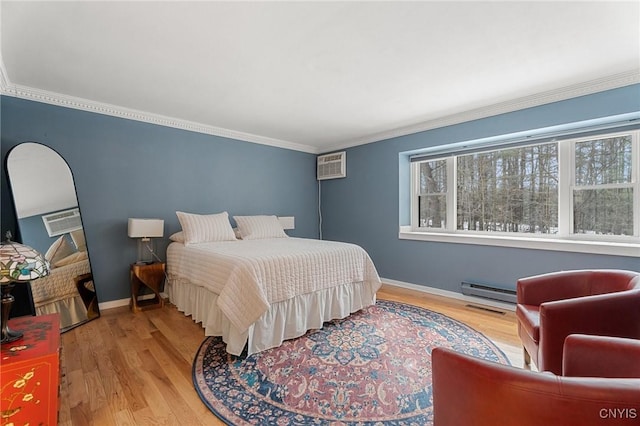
x=601 y=356
x=554 y=305
x=475 y=392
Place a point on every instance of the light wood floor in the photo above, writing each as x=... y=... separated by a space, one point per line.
x=135 y=369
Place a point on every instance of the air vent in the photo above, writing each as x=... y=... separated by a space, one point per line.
x=332 y=166
x=484 y=308
x=488 y=291
x=62 y=222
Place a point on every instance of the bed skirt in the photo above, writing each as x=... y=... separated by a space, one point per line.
x=72 y=311
x=283 y=320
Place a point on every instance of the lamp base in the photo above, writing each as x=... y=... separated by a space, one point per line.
x=8 y=335
x=146 y=248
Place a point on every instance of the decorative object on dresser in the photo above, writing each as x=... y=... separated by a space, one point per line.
x=19 y=263
x=146 y=275
x=30 y=372
x=145 y=230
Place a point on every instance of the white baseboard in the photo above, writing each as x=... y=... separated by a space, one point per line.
x=125 y=302
x=450 y=294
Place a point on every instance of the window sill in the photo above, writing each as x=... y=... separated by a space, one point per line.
x=574 y=246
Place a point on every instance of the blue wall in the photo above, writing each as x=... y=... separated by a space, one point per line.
x=364 y=207
x=125 y=168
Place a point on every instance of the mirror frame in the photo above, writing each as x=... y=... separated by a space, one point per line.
x=85 y=301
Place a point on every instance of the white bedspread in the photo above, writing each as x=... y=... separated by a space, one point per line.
x=59 y=284
x=57 y=294
x=250 y=275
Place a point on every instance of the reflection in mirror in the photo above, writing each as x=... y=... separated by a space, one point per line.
x=49 y=219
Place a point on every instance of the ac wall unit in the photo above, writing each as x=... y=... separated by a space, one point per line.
x=332 y=166
x=62 y=222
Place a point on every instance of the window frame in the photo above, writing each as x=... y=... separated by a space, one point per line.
x=565 y=239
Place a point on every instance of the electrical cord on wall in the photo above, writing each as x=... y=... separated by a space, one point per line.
x=319 y=209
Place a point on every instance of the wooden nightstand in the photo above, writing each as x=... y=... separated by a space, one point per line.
x=84 y=284
x=146 y=275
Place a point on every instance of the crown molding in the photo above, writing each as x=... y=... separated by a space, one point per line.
x=586 y=88
x=581 y=89
x=29 y=93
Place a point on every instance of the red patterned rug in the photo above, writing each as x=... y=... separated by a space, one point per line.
x=372 y=368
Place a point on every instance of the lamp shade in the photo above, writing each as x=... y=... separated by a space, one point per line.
x=21 y=263
x=287 y=222
x=145 y=228
x=18 y=263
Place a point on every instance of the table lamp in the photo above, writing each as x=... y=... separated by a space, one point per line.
x=18 y=263
x=145 y=230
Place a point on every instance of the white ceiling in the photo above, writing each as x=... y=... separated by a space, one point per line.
x=31 y=166
x=315 y=75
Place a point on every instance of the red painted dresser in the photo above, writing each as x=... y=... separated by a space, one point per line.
x=30 y=372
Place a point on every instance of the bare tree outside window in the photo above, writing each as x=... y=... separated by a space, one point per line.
x=432 y=198
x=516 y=190
x=603 y=191
x=511 y=190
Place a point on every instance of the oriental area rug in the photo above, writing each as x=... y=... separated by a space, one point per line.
x=372 y=368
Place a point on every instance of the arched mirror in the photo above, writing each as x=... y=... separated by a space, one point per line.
x=49 y=219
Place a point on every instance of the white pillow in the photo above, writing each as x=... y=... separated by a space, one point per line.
x=60 y=249
x=78 y=239
x=259 y=227
x=200 y=228
x=72 y=258
x=178 y=237
x=236 y=231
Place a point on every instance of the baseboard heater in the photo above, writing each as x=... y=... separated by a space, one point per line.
x=488 y=291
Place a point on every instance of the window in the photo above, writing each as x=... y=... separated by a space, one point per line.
x=575 y=189
x=432 y=195
x=603 y=187
x=510 y=190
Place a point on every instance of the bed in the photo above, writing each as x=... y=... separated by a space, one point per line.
x=258 y=292
x=69 y=272
x=58 y=293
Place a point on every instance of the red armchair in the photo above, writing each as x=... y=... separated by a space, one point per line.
x=601 y=356
x=554 y=305
x=476 y=392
